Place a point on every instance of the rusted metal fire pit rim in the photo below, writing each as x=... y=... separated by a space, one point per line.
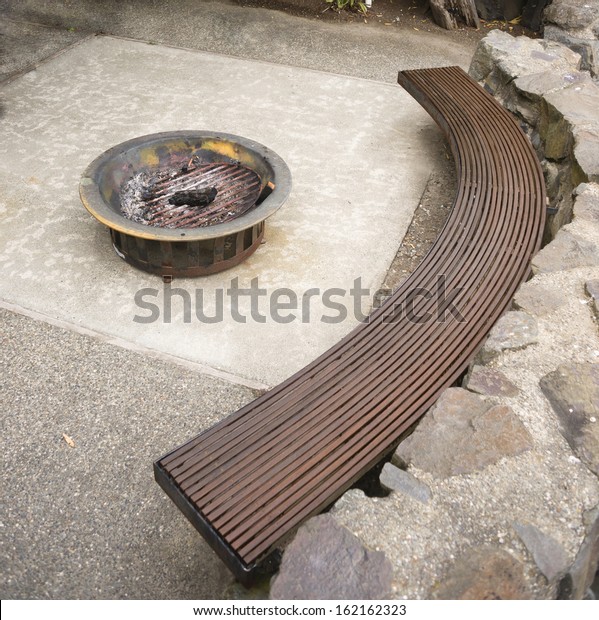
x=94 y=202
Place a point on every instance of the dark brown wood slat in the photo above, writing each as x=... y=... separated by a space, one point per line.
x=248 y=481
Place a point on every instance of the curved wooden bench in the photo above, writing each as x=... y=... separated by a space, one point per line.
x=250 y=480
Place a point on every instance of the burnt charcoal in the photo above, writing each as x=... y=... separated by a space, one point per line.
x=194 y=197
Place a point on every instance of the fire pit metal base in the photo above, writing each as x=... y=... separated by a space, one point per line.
x=191 y=258
x=193 y=251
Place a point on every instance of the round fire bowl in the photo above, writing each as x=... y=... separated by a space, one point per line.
x=183 y=251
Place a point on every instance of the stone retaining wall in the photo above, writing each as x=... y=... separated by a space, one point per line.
x=576 y=24
x=496 y=493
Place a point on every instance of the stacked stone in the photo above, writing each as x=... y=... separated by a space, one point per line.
x=576 y=24
x=542 y=83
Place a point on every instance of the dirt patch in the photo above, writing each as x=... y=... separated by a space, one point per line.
x=412 y=14
x=429 y=217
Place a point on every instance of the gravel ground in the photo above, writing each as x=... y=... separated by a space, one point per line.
x=85 y=518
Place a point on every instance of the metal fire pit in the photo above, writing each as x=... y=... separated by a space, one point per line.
x=248 y=181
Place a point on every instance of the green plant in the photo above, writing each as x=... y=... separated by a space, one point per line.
x=352 y=5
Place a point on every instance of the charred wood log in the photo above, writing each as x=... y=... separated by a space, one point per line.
x=446 y=13
x=194 y=197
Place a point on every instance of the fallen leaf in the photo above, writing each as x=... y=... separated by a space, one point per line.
x=69 y=441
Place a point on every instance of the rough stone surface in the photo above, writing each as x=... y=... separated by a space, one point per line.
x=592 y=289
x=577 y=104
x=587 y=48
x=547 y=553
x=573 y=391
x=490 y=382
x=463 y=433
x=560 y=183
x=500 y=57
x=535 y=85
x=514 y=330
x=395 y=479
x=572 y=14
x=582 y=572
x=566 y=113
x=566 y=251
x=586 y=205
x=557 y=103
x=326 y=561
x=484 y=573
x=538 y=300
x=575 y=23
x=586 y=150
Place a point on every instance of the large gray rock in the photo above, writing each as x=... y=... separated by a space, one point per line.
x=514 y=330
x=572 y=14
x=490 y=382
x=461 y=434
x=582 y=572
x=398 y=480
x=566 y=251
x=573 y=391
x=576 y=24
x=588 y=48
x=499 y=58
x=534 y=85
x=569 y=124
x=547 y=553
x=538 y=300
x=586 y=150
x=326 y=561
x=528 y=91
x=586 y=204
x=484 y=573
x=592 y=289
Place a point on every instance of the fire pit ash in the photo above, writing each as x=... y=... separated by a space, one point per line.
x=185 y=203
